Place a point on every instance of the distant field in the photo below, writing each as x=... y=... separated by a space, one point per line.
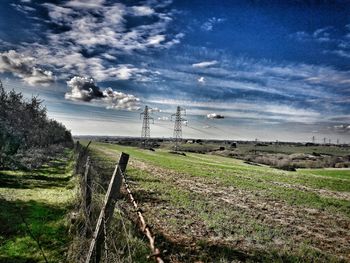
x=217 y=209
x=290 y=149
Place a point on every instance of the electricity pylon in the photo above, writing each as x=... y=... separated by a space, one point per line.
x=146 y=131
x=178 y=126
x=313 y=139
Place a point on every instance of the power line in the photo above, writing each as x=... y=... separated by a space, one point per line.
x=178 y=126
x=146 y=131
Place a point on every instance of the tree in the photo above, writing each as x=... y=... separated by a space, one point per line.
x=24 y=125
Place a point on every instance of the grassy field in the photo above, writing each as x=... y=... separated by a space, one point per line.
x=33 y=212
x=290 y=149
x=214 y=209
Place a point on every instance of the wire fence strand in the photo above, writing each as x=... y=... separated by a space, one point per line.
x=144 y=227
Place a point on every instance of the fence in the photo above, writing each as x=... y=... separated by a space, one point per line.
x=97 y=238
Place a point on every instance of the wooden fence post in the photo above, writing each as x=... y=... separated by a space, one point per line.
x=106 y=213
x=87 y=184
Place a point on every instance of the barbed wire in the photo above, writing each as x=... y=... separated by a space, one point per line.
x=105 y=236
x=144 y=227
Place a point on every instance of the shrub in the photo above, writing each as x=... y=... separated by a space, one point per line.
x=24 y=125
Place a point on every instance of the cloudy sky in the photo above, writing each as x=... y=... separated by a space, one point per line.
x=272 y=70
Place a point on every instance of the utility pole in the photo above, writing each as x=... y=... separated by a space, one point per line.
x=337 y=141
x=146 y=131
x=329 y=141
x=324 y=140
x=313 y=139
x=178 y=126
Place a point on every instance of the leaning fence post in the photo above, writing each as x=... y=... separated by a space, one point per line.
x=87 y=197
x=106 y=213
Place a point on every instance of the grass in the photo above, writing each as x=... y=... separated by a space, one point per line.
x=330 y=173
x=290 y=149
x=34 y=205
x=189 y=214
x=229 y=172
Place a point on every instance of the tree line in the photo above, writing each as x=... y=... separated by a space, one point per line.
x=24 y=125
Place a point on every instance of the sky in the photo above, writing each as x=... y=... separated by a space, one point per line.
x=271 y=70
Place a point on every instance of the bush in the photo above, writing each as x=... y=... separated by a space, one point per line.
x=24 y=126
x=342 y=165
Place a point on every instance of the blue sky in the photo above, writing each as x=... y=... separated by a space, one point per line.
x=276 y=70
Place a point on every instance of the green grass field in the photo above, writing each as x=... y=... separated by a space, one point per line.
x=33 y=209
x=215 y=209
x=290 y=149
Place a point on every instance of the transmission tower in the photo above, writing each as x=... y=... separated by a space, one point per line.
x=313 y=139
x=324 y=140
x=178 y=126
x=146 y=131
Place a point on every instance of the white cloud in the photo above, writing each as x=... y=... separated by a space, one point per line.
x=24 y=67
x=201 y=80
x=343 y=128
x=109 y=28
x=248 y=110
x=285 y=79
x=341 y=53
x=320 y=35
x=85 y=89
x=211 y=22
x=39 y=76
x=22 y=8
x=87 y=31
x=85 y=4
x=155 y=40
x=205 y=64
x=120 y=101
x=327 y=35
x=142 y=11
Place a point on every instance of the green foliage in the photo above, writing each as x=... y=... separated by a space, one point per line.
x=25 y=125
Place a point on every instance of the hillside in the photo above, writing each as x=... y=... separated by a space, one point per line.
x=208 y=208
